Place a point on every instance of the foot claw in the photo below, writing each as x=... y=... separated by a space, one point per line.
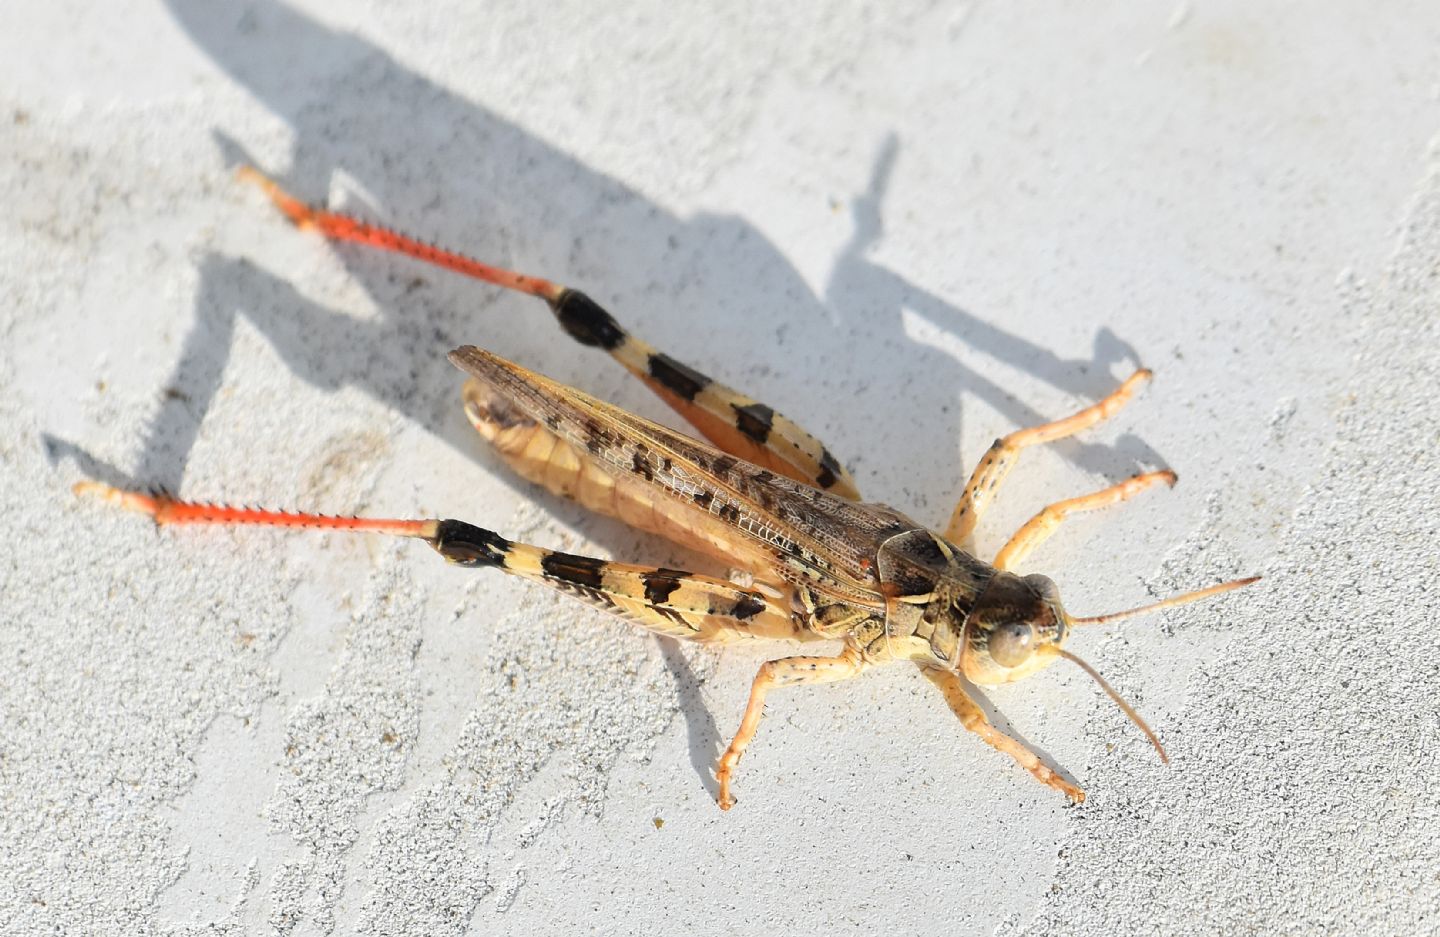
x=724 y=799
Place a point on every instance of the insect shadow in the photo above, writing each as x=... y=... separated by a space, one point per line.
x=706 y=288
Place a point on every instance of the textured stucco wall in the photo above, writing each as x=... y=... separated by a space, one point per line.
x=912 y=227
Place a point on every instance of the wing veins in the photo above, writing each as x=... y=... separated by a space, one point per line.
x=831 y=552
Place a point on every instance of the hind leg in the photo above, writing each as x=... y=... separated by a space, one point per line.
x=673 y=602
x=738 y=424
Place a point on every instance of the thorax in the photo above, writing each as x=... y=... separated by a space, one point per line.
x=930 y=586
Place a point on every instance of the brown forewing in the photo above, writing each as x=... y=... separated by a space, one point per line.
x=815 y=538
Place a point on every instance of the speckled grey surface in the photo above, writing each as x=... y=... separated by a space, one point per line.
x=910 y=226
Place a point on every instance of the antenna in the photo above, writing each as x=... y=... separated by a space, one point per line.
x=1171 y=602
x=1119 y=700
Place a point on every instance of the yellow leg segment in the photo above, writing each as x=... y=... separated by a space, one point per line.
x=1039 y=528
x=996 y=464
x=790 y=671
x=973 y=718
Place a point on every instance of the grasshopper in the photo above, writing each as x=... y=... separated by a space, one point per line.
x=808 y=559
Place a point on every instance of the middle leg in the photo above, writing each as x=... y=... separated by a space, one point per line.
x=790 y=671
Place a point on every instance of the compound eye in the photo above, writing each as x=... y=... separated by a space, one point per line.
x=1011 y=645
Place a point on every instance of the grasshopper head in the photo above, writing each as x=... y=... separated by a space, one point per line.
x=1014 y=629
x=1017 y=626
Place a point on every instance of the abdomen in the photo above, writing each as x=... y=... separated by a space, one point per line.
x=539 y=455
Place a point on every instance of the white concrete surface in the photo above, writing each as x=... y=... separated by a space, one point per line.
x=913 y=227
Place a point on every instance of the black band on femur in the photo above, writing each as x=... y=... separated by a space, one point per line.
x=586 y=322
x=467 y=545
